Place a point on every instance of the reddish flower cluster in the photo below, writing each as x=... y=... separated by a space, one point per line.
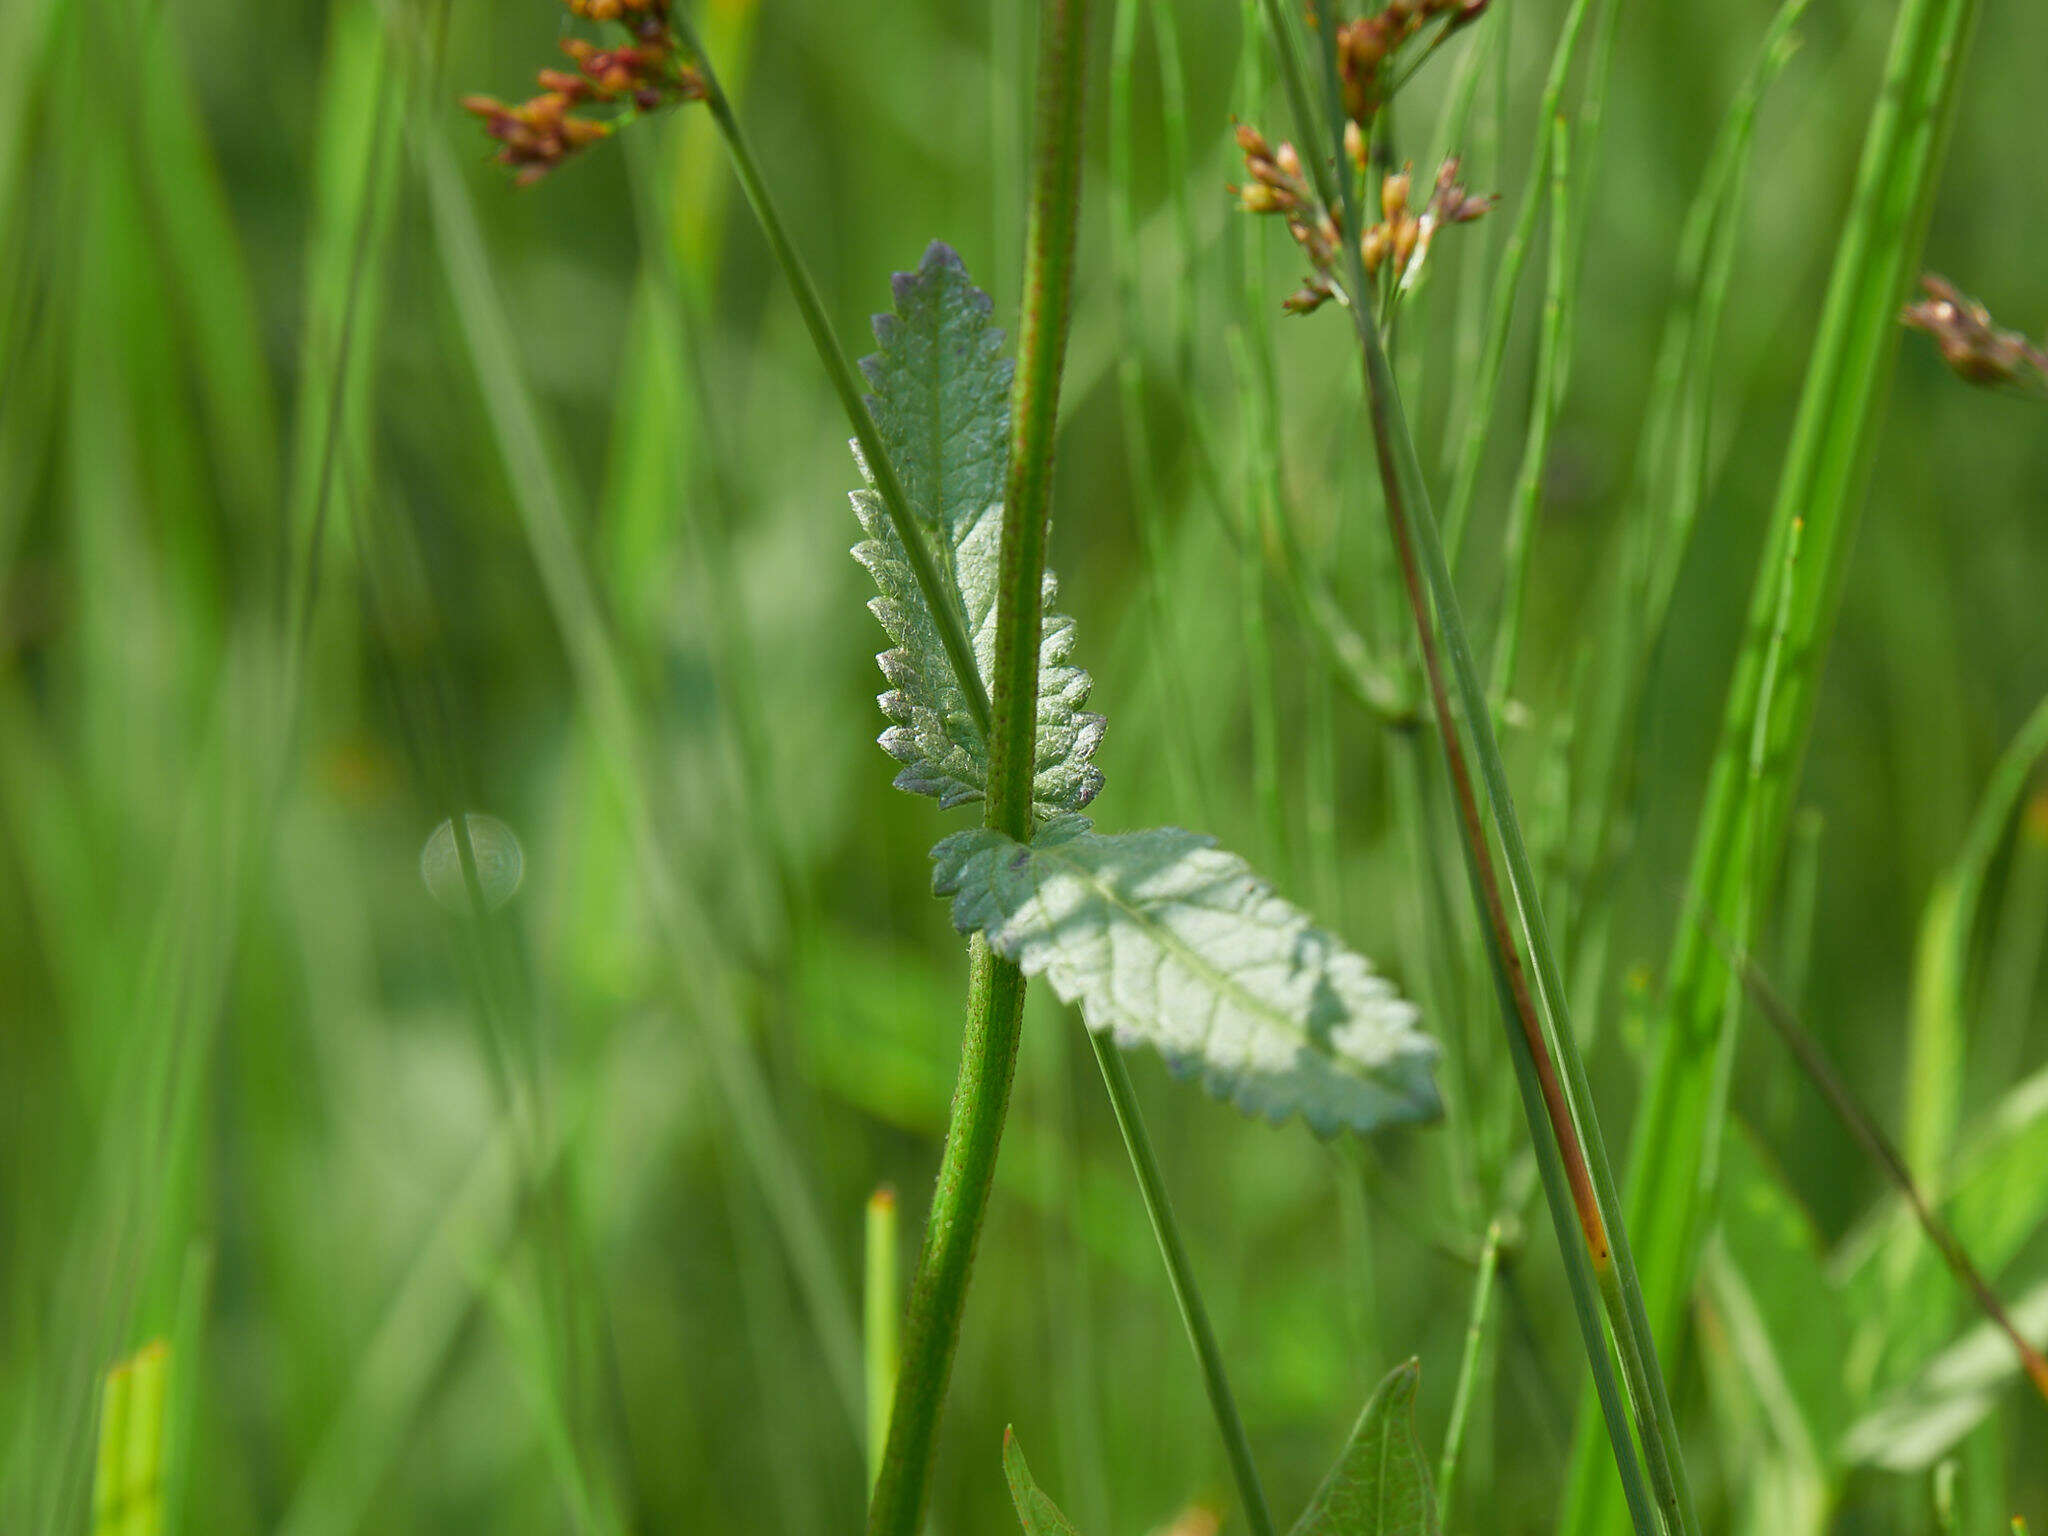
x=1971 y=344
x=1365 y=46
x=643 y=75
x=1277 y=185
x=1401 y=237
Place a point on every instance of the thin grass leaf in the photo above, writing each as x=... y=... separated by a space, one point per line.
x=1164 y=940
x=1949 y=1398
x=1933 y=1073
x=541 y=501
x=1380 y=1485
x=1996 y=1187
x=1782 y=1485
x=1821 y=486
x=399 y=1361
x=207 y=273
x=941 y=403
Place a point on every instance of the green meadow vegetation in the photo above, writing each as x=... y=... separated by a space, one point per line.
x=1473 y=964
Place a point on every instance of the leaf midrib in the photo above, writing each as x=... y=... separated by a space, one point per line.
x=1220 y=980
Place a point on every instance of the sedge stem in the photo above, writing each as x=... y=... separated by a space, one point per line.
x=939 y=598
x=1180 y=1274
x=1411 y=523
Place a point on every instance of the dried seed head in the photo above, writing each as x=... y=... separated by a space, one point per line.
x=1375 y=247
x=1311 y=296
x=1277 y=184
x=1407 y=233
x=1450 y=203
x=1354 y=145
x=1258 y=197
x=645 y=73
x=1971 y=343
x=1366 y=46
x=1394 y=194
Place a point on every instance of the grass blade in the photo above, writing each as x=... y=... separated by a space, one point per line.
x=1822 y=484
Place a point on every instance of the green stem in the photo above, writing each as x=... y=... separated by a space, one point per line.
x=1034 y=408
x=939 y=598
x=1659 y=1430
x=1659 y=1425
x=996 y=990
x=1572 y=1125
x=1553 y=367
x=1500 y=317
x=938 y=1292
x=1468 y=1365
x=1742 y=820
x=1123 y=1099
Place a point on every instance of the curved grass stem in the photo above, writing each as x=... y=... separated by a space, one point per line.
x=1123 y=1099
x=938 y=597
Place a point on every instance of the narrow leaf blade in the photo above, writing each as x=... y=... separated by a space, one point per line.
x=1167 y=941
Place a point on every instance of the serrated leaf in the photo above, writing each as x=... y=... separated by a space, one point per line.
x=1380 y=1485
x=1039 y=1515
x=1165 y=940
x=941 y=402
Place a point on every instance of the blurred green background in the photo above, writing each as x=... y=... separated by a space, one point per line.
x=341 y=485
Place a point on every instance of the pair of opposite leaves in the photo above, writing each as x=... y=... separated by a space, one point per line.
x=1379 y=1486
x=1162 y=938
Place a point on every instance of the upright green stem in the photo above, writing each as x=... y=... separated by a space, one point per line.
x=1123 y=1099
x=1742 y=820
x=1584 y=1162
x=1034 y=407
x=1468 y=1365
x=996 y=993
x=938 y=597
x=938 y=1291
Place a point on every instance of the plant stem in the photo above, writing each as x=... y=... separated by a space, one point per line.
x=881 y=1317
x=1034 y=408
x=939 y=598
x=1410 y=522
x=1864 y=1127
x=1123 y=1099
x=1468 y=1365
x=996 y=991
x=938 y=1291
x=1826 y=467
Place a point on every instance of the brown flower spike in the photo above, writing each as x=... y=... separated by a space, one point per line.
x=1400 y=240
x=1971 y=344
x=644 y=74
x=1367 y=45
x=1398 y=243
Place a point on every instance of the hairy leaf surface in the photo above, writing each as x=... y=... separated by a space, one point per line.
x=1165 y=940
x=1380 y=1485
x=941 y=401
